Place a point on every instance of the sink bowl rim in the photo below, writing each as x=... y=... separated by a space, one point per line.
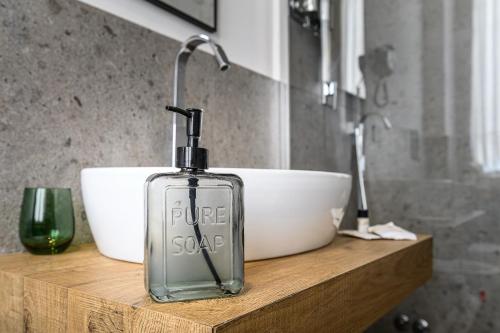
x=272 y=171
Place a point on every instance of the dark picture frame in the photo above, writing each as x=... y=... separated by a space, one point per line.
x=188 y=17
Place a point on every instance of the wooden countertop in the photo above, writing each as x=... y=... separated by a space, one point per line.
x=343 y=287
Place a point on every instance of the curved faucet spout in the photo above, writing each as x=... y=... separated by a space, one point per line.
x=385 y=120
x=187 y=48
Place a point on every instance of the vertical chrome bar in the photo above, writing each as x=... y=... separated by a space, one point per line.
x=328 y=85
x=360 y=164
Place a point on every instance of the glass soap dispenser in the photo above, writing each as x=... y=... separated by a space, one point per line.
x=194 y=226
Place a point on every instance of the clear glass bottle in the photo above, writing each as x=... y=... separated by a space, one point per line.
x=194 y=227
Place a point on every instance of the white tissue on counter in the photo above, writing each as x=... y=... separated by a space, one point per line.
x=358 y=234
x=382 y=231
x=392 y=231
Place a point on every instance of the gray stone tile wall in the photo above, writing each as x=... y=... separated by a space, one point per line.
x=82 y=88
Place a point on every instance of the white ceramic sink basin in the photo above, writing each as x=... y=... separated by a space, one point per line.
x=286 y=211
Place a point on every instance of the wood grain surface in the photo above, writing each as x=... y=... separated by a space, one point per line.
x=343 y=287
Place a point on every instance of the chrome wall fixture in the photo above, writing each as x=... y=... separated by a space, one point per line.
x=306 y=13
x=328 y=85
x=381 y=62
x=316 y=15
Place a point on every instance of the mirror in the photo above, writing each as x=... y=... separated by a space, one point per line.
x=352 y=40
x=202 y=13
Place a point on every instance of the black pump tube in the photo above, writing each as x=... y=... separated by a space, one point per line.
x=193 y=183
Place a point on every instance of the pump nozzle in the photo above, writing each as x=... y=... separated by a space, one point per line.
x=191 y=156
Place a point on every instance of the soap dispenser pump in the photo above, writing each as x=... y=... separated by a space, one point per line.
x=193 y=226
x=191 y=157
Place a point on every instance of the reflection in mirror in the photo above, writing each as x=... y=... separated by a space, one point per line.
x=352 y=46
x=485 y=99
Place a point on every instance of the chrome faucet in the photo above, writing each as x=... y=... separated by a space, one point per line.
x=384 y=119
x=359 y=145
x=187 y=48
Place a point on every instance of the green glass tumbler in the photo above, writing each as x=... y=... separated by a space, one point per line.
x=47 y=222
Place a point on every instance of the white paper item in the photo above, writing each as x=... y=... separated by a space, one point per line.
x=392 y=231
x=357 y=234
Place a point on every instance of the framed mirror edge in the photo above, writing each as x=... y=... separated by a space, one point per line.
x=186 y=16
